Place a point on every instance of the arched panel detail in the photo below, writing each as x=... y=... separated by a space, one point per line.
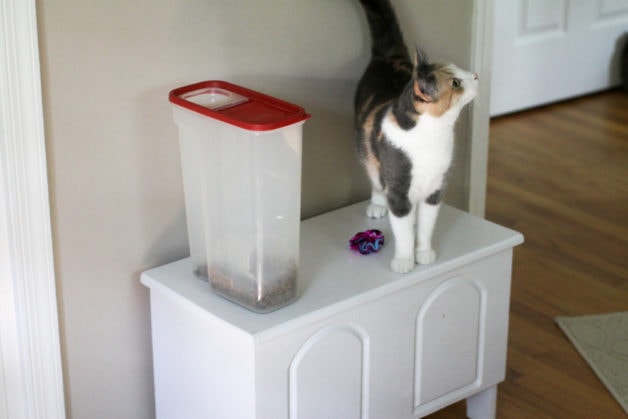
x=449 y=340
x=329 y=375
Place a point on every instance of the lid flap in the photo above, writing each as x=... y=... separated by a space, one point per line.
x=237 y=105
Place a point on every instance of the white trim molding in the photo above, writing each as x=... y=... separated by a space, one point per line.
x=481 y=56
x=31 y=380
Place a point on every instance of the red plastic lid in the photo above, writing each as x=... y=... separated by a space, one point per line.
x=237 y=105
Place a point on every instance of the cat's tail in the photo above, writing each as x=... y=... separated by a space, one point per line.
x=386 y=36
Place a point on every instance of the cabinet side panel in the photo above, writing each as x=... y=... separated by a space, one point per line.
x=202 y=368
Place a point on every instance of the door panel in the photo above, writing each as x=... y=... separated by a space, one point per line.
x=328 y=377
x=549 y=50
x=448 y=340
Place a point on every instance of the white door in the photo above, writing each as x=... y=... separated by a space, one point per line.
x=549 y=50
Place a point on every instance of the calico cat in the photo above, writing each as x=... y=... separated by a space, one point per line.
x=404 y=116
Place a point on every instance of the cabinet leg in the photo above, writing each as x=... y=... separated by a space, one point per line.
x=483 y=405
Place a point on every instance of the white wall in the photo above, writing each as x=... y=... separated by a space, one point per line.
x=116 y=195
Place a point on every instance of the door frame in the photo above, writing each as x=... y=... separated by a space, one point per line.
x=31 y=378
x=481 y=62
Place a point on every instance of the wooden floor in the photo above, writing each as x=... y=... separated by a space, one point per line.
x=559 y=175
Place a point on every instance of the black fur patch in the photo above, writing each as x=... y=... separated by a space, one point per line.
x=404 y=111
x=385 y=31
x=382 y=82
x=427 y=80
x=435 y=198
x=396 y=175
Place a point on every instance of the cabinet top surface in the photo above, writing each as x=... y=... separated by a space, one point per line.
x=334 y=278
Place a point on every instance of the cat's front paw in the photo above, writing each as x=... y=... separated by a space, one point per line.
x=376 y=211
x=425 y=257
x=402 y=265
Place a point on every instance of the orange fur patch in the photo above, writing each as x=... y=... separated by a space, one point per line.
x=419 y=93
x=447 y=95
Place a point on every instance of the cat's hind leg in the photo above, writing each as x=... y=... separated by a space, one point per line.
x=378 y=207
x=426 y=220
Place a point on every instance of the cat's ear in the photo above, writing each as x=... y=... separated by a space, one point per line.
x=418 y=91
x=423 y=81
x=419 y=57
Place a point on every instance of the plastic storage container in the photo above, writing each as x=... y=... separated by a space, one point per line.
x=241 y=162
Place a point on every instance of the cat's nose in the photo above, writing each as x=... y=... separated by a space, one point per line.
x=475 y=76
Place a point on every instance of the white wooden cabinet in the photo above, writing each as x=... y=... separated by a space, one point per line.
x=361 y=341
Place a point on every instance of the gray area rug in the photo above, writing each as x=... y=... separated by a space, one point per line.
x=602 y=340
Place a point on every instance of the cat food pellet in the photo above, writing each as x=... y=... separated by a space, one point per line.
x=261 y=295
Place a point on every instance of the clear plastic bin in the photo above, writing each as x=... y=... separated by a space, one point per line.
x=241 y=162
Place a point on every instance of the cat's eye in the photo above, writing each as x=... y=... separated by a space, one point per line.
x=456 y=83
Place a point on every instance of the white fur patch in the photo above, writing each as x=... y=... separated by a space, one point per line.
x=470 y=82
x=429 y=146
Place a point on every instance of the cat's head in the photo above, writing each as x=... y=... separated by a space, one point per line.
x=441 y=88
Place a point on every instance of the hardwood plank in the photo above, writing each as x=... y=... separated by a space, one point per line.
x=559 y=174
